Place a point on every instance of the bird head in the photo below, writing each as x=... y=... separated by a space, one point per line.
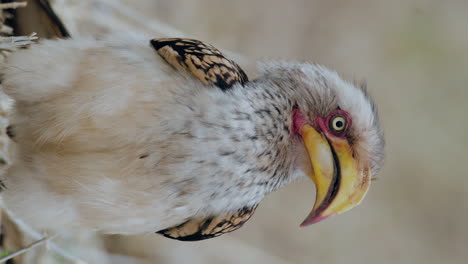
x=337 y=124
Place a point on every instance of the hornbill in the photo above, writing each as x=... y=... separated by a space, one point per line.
x=133 y=135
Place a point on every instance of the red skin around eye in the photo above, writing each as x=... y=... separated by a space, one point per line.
x=298 y=122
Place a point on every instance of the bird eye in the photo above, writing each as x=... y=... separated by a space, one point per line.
x=338 y=124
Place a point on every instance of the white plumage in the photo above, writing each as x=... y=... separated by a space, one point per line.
x=110 y=137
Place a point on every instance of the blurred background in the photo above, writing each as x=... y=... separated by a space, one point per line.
x=413 y=55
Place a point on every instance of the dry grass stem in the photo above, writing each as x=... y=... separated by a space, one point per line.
x=13 y=5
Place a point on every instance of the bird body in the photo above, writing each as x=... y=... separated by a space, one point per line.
x=110 y=137
x=100 y=135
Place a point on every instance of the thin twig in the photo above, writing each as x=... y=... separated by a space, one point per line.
x=24 y=250
x=13 y=5
x=18 y=38
x=25 y=228
x=7 y=43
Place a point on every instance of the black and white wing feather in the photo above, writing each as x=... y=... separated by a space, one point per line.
x=202 y=60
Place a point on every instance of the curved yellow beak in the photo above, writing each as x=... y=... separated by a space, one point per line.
x=340 y=184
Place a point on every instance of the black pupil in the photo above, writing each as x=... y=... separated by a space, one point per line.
x=339 y=124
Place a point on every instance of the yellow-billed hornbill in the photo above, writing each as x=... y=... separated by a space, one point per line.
x=130 y=135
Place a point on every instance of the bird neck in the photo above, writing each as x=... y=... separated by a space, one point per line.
x=274 y=145
x=245 y=131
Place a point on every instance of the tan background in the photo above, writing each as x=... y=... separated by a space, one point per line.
x=413 y=55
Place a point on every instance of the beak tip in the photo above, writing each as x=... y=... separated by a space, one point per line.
x=313 y=220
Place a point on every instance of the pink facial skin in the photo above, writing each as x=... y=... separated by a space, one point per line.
x=323 y=124
x=298 y=122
